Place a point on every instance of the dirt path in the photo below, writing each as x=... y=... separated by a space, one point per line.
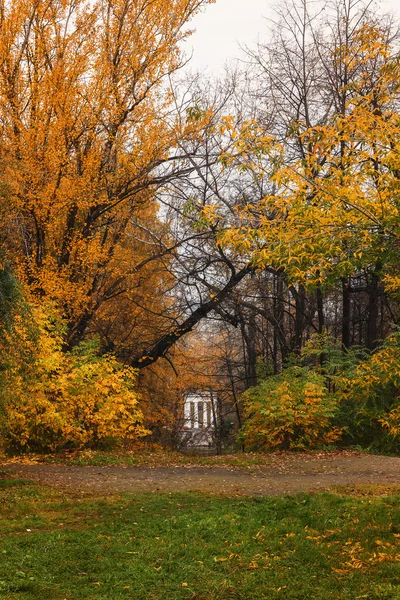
x=285 y=477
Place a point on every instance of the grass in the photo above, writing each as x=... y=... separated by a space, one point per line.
x=140 y=457
x=159 y=457
x=327 y=546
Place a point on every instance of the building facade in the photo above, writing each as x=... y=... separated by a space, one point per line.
x=199 y=417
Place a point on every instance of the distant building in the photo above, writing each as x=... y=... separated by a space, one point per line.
x=198 y=431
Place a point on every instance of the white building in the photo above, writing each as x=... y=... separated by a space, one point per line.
x=199 y=420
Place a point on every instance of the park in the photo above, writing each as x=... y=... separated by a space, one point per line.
x=199 y=301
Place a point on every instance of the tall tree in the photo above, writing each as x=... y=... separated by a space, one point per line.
x=329 y=135
x=87 y=136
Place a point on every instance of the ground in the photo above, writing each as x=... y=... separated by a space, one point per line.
x=271 y=475
x=116 y=526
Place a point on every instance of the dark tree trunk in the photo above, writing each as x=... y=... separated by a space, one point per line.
x=234 y=394
x=373 y=291
x=346 y=314
x=249 y=333
x=279 y=306
x=320 y=310
x=300 y=303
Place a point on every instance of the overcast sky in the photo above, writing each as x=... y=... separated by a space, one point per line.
x=224 y=25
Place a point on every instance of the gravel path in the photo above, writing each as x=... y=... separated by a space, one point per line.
x=299 y=475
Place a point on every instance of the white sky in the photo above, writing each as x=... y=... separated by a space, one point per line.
x=224 y=25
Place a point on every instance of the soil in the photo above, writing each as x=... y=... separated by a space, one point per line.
x=285 y=474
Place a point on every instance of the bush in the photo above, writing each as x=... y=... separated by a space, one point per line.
x=369 y=395
x=68 y=399
x=292 y=410
x=349 y=396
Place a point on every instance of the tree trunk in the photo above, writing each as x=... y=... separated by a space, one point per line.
x=300 y=303
x=373 y=291
x=161 y=347
x=320 y=310
x=346 y=314
x=249 y=333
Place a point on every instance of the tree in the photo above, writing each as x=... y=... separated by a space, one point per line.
x=330 y=216
x=88 y=134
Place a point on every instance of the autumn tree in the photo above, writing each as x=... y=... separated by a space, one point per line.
x=88 y=134
x=326 y=146
x=202 y=275
x=328 y=134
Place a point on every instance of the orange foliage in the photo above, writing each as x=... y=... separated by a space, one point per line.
x=86 y=127
x=192 y=366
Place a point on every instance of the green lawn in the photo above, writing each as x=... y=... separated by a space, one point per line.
x=158 y=457
x=152 y=458
x=194 y=546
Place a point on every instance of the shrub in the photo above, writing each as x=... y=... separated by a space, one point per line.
x=68 y=399
x=369 y=395
x=292 y=410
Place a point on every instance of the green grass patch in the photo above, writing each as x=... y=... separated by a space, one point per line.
x=158 y=457
x=142 y=457
x=327 y=546
x=6 y=483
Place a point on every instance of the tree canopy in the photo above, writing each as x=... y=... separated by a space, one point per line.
x=223 y=227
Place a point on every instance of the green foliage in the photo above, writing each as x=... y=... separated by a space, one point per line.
x=366 y=386
x=326 y=355
x=18 y=334
x=292 y=410
x=369 y=396
x=14 y=310
x=345 y=396
x=10 y=297
x=264 y=368
x=181 y=546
